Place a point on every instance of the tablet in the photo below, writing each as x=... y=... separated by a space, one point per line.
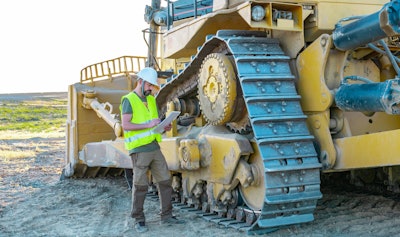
x=171 y=117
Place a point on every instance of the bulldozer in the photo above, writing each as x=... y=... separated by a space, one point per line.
x=271 y=95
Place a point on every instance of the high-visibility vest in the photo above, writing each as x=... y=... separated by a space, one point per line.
x=141 y=114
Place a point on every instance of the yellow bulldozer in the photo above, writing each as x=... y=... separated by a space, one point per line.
x=271 y=95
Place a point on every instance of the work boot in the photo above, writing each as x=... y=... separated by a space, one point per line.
x=172 y=220
x=140 y=227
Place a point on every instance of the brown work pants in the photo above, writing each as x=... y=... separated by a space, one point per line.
x=155 y=162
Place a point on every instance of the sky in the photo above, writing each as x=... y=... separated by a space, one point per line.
x=44 y=44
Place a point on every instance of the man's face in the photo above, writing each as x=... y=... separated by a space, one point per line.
x=147 y=88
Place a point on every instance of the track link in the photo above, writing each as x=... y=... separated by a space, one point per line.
x=291 y=166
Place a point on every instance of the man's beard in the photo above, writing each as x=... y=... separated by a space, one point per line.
x=146 y=93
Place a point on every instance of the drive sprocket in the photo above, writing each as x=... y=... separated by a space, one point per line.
x=217 y=89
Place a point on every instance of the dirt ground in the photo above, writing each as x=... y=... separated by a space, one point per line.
x=34 y=202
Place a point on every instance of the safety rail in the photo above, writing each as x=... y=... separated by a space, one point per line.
x=124 y=65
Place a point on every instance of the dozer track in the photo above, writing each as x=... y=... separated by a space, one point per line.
x=291 y=166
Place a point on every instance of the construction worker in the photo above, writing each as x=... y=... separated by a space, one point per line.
x=139 y=115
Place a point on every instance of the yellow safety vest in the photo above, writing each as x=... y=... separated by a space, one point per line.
x=141 y=114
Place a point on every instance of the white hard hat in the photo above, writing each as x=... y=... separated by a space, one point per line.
x=148 y=74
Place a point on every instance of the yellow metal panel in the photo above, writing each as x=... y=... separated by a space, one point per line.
x=189 y=154
x=284 y=23
x=361 y=124
x=226 y=154
x=315 y=96
x=225 y=149
x=362 y=68
x=169 y=148
x=319 y=124
x=89 y=127
x=330 y=12
x=106 y=154
x=367 y=151
x=295 y=24
x=183 y=40
x=71 y=138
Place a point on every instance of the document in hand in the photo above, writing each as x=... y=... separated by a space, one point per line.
x=160 y=127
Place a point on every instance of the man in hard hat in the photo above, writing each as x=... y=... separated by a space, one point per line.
x=139 y=115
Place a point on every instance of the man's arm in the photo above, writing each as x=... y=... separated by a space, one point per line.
x=127 y=125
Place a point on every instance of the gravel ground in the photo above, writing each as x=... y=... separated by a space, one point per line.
x=34 y=202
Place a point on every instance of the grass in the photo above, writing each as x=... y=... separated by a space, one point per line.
x=33 y=115
x=22 y=120
x=11 y=155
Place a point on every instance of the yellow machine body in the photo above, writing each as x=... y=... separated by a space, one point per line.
x=271 y=95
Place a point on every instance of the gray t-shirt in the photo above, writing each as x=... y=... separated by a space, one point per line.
x=127 y=109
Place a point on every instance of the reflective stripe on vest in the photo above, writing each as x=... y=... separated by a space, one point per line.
x=138 y=136
x=141 y=114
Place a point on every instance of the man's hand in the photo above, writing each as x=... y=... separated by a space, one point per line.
x=168 y=127
x=153 y=123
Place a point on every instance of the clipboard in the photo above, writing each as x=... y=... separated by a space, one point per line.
x=171 y=117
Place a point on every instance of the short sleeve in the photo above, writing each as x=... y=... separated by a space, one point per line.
x=126 y=106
